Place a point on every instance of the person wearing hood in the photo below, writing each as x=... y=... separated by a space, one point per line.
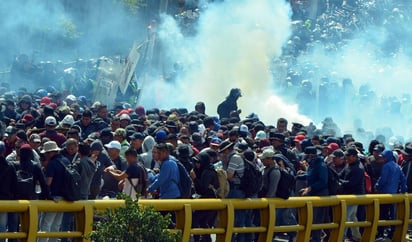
x=206 y=183
x=391 y=181
x=102 y=162
x=146 y=157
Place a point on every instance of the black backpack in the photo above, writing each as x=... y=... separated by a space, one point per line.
x=286 y=184
x=71 y=182
x=252 y=180
x=25 y=185
x=185 y=182
x=334 y=182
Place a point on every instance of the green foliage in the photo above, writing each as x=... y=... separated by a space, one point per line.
x=133 y=5
x=133 y=223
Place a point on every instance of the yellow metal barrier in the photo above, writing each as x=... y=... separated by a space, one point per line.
x=85 y=210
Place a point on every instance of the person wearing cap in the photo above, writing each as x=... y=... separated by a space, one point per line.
x=51 y=133
x=10 y=135
x=234 y=165
x=136 y=142
x=10 y=114
x=391 y=181
x=52 y=221
x=70 y=151
x=103 y=161
x=376 y=162
x=106 y=135
x=271 y=174
x=183 y=154
x=35 y=142
x=110 y=185
x=278 y=143
x=317 y=185
x=124 y=120
x=206 y=183
x=338 y=161
x=353 y=183
x=120 y=135
x=8 y=184
x=167 y=179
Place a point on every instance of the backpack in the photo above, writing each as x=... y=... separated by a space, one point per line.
x=252 y=180
x=224 y=186
x=143 y=183
x=185 y=182
x=368 y=183
x=71 y=182
x=286 y=184
x=334 y=183
x=24 y=185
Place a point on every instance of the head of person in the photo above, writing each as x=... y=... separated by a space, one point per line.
x=124 y=120
x=26 y=153
x=387 y=156
x=407 y=152
x=131 y=155
x=84 y=149
x=73 y=133
x=35 y=141
x=102 y=112
x=202 y=160
x=50 y=123
x=225 y=148
x=235 y=93
x=377 y=150
x=136 y=140
x=200 y=107
x=163 y=152
x=50 y=149
x=115 y=123
x=72 y=146
x=351 y=155
x=106 y=135
x=311 y=153
x=86 y=119
x=281 y=125
x=96 y=147
x=338 y=158
x=267 y=157
x=277 y=139
x=120 y=134
x=113 y=149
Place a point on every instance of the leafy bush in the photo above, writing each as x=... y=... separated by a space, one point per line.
x=133 y=223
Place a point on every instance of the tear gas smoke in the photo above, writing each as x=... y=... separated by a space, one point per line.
x=234 y=47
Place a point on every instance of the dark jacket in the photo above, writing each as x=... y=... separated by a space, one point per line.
x=208 y=176
x=353 y=179
x=407 y=171
x=227 y=106
x=8 y=180
x=317 y=176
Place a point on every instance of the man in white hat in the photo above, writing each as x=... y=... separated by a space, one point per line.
x=50 y=124
x=54 y=179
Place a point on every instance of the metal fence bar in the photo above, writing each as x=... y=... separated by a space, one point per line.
x=85 y=210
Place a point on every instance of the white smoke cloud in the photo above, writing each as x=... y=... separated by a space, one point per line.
x=234 y=46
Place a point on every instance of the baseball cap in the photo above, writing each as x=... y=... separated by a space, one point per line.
x=267 y=153
x=50 y=121
x=338 y=153
x=35 y=138
x=351 y=151
x=216 y=141
x=120 y=132
x=299 y=138
x=136 y=135
x=114 y=145
x=332 y=146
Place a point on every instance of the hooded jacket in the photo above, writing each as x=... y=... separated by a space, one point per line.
x=147 y=147
x=392 y=179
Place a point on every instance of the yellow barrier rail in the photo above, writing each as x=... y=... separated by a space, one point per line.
x=85 y=211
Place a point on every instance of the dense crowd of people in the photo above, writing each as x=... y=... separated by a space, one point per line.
x=138 y=151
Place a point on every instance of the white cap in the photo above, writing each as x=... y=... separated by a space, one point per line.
x=114 y=145
x=50 y=121
x=68 y=119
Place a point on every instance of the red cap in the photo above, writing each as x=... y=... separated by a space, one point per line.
x=299 y=138
x=45 y=101
x=332 y=147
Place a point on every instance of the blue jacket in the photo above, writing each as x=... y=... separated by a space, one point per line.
x=392 y=179
x=167 y=180
x=317 y=177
